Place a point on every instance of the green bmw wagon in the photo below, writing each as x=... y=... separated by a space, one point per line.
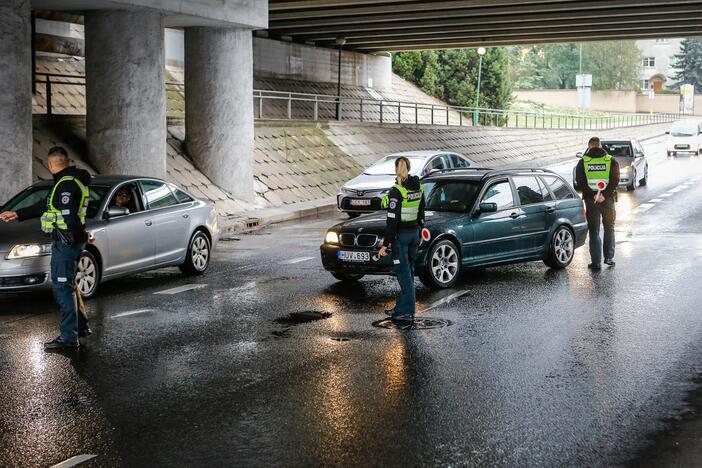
x=475 y=218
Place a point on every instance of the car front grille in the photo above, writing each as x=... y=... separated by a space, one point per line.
x=19 y=281
x=362 y=240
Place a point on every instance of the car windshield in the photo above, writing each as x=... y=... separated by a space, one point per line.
x=684 y=131
x=38 y=194
x=386 y=166
x=454 y=196
x=622 y=150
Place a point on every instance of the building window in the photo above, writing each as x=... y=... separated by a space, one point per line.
x=649 y=62
x=646 y=85
x=662 y=41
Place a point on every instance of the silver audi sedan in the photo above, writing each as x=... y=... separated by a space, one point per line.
x=362 y=194
x=137 y=224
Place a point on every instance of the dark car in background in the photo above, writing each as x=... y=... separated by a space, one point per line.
x=633 y=166
x=475 y=218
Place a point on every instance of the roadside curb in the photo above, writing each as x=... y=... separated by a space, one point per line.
x=255 y=220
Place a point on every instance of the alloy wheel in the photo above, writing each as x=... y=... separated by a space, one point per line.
x=444 y=263
x=86 y=275
x=200 y=253
x=563 y=246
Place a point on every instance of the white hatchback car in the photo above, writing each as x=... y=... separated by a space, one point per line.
x=685 y=137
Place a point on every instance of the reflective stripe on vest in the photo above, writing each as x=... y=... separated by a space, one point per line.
x=53 y=218
x=411 y=199
x=597 y=171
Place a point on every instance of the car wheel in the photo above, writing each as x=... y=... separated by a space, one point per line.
x=347 y=277
x=353 y=215
x=87 y=275
x=644 y=181
x=561 y=249
x=197 y=259
x=443 y=266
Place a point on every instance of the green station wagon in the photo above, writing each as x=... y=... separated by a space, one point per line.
x=475 y=218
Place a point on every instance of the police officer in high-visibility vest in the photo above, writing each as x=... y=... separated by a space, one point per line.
x=597 y=177
x=405 y=218
x=63 y=218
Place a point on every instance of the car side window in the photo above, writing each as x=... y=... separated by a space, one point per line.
x=459 y=162
x=499 y=193
x=439 y=162
x=559 y=188
x=158 y=194
x=181 y=196
x=528 y=190
x=127 y=196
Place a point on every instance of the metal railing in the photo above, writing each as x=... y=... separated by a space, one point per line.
x=280 y=105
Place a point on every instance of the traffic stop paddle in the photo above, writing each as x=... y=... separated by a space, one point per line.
x=600 y=188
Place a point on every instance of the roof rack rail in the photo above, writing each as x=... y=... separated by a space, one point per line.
x=518 y=169
x=453 y=169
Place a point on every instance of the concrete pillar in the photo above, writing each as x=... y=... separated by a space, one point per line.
x=125 y=95
x=219 y=127
x=16 y=97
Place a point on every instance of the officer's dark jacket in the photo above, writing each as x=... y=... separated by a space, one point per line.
x=581 y=179
x=66 y=199
x=395 y=224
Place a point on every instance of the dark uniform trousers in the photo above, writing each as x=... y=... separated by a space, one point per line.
x=404 y=256
x=64 y=259
x=605 y=214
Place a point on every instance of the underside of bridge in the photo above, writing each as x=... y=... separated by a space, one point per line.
x=394 y=25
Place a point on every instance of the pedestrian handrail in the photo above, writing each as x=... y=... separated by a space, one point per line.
x=284 y=105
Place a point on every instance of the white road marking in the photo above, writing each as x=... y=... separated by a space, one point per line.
x=73 y=461
x=245 y=267
x=180 y=289
x=245 y=286
x=296 y=260
x=645 y=207
x=666 y=195
x=655 y=200
x=132 y=312
x=446 y=300
x=676 y=190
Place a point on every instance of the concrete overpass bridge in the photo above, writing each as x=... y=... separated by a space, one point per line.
x=124 y=50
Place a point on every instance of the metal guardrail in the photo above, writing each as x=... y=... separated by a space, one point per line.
x=280 y=105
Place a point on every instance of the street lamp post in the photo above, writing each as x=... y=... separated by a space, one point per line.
x=340 y=41
x=481 y=52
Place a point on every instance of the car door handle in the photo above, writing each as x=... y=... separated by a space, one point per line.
x=550 y=209
x=148 y=222
x=514 y=215
x=186 y=216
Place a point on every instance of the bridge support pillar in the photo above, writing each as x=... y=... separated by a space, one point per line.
x=125 y=92
x=219 y=127
x=15 y=98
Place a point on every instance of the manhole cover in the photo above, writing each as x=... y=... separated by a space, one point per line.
x=419 y=323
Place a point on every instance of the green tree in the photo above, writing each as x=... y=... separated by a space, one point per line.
x=614 y=65
x=688 y=64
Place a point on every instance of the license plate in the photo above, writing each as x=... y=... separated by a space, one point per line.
x=682 y=146
x=347 y=256
x=360 y=202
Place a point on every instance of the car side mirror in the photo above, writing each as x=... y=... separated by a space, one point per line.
x=488 y=207
x=116 y=212
x=667 y=133
x=578 y=154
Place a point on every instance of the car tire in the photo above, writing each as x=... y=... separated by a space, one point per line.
x=197 y=257
x=644 y=181
x=348 y=277
x=443 y=266
x=87 y=275
x=561 y=249
x=353 y=215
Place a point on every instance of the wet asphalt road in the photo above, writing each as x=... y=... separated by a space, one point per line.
x=538 y=367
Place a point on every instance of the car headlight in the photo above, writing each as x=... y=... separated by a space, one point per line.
x=331 y=237
x=29 y=250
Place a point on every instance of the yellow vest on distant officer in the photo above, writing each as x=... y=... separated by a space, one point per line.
x=53 y=218
x=597 y=171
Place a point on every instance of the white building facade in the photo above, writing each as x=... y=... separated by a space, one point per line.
x=657 y=64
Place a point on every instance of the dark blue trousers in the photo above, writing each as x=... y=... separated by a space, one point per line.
x=64 y=259
x=404 y=257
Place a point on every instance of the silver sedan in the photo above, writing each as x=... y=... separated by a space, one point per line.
x=138 y=224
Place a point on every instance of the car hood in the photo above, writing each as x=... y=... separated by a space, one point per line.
x=370 y=182
x=26 y=232
x=375 y=222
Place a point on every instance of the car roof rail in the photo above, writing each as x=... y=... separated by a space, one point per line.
x=454 y=169
x=518 y=169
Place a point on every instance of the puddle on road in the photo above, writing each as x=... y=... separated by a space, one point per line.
x=296 y=318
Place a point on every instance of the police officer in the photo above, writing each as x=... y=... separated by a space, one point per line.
x=597 y=176
x=63 y=217
x=405 y=218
